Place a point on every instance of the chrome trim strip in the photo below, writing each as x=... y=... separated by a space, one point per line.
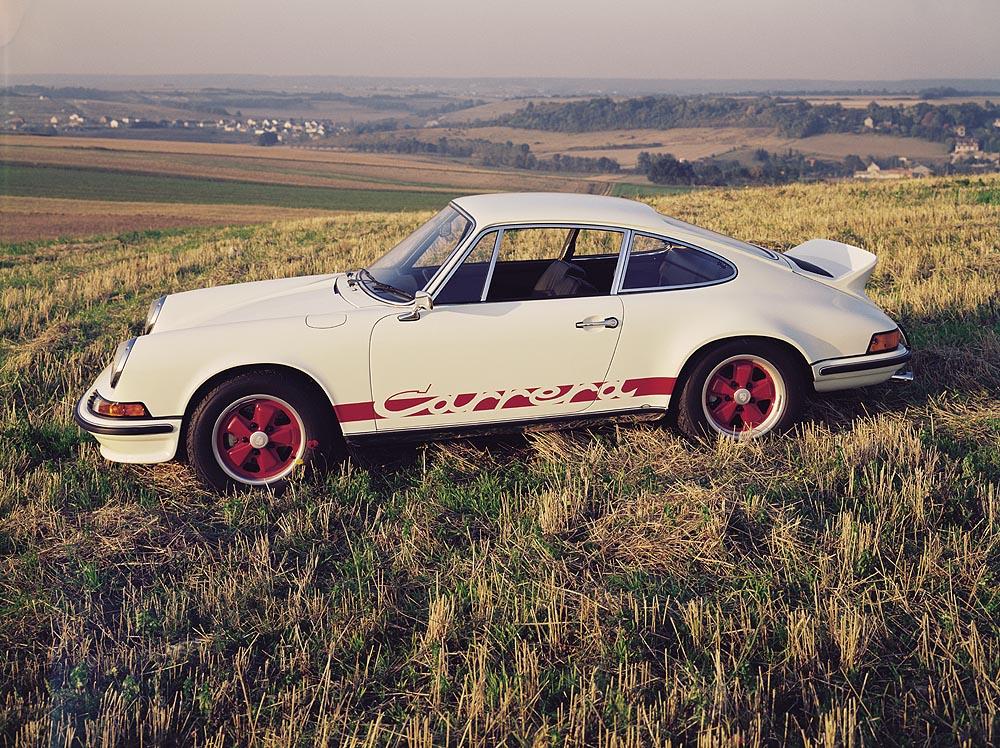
x=866 y=365
x=121 y=358
x=616 y=280
x=493 y=264
x=153 y=314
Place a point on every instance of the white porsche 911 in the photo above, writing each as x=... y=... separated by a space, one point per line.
x=502 y=311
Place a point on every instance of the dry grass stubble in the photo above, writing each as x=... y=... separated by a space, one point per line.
x=620 y=587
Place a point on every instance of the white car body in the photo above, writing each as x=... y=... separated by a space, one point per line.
x=389 y=371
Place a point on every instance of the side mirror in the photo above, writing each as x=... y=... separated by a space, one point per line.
x=422 y=302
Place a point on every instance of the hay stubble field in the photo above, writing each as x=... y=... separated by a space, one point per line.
x=615 y=587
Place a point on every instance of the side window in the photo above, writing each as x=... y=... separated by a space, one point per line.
x=596 y=243
x=466 y=284
x=655 y=262
x=564 y=262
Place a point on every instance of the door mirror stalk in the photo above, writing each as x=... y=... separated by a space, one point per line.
x=422 y=302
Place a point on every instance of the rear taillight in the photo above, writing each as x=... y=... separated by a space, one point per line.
x=884 y=341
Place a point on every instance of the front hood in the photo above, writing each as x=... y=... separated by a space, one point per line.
x=248 y=302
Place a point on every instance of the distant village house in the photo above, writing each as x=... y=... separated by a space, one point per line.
x=874 y=171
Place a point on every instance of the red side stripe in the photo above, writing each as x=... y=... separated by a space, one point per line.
x=355 y=412
x=650 y=386
x=641 y=387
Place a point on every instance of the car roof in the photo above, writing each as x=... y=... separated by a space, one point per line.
x=560 y=207
x=602 y=210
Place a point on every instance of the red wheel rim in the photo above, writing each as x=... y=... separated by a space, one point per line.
x=258 y=439
x=740 y=395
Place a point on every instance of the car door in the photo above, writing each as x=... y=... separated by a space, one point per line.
x=496 y=349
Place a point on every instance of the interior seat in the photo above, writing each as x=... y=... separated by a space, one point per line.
x=563 y=279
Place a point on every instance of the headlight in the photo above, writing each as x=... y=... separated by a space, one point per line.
x=153 y=314
x=121 y=356
x=110 y=409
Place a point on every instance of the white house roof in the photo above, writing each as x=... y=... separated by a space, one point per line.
x=560 y=207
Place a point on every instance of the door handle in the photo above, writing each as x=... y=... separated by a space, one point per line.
x=611 y=322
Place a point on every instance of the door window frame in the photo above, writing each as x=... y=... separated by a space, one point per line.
x=436 y=284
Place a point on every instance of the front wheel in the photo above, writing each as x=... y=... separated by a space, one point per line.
x=741 y=390
x=257 y=429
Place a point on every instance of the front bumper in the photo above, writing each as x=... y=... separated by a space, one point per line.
x=129 y=439
x=862 y=371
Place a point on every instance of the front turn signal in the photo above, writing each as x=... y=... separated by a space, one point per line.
x=884 y=341
x=110 y=409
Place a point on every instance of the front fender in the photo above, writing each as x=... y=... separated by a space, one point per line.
x=165 y=370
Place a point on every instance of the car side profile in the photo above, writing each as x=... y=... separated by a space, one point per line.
x=503 y=311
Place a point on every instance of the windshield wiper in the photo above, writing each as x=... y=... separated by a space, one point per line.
x=380 y=286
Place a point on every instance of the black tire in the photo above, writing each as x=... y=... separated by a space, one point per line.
x=769 y=360
x=301 y=409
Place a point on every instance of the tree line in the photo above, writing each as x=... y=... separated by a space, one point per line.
x=764 y=168
x=789 y=117
x=491 y=154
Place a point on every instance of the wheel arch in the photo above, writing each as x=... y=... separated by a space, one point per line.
x=692 y=359
x=221 y=376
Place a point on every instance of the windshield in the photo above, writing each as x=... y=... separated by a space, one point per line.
x=413 y=262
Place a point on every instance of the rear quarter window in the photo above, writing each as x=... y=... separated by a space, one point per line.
x=655 y=262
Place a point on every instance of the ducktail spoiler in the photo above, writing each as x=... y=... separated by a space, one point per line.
x=850 y=267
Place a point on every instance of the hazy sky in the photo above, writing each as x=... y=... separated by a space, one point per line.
x=833 y=39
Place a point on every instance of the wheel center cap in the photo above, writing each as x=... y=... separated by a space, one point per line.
x=258 y=439
x=741 y=396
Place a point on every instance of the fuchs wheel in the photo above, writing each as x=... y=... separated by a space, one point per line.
x=741 y=390
x=258 y=439
x=257 y=429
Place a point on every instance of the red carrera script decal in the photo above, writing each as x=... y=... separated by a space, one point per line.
x=422 y=403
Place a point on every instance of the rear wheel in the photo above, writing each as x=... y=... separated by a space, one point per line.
x=741 y=390
x=258 y=429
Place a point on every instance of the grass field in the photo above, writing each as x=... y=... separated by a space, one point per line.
x=618 y=587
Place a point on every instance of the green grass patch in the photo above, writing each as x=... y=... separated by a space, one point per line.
x=988 y=197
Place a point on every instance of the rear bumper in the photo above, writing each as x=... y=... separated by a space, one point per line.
x=129 y=440
x=862 y=371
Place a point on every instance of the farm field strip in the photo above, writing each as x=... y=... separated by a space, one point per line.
x=29 y=219
x=46 y=181
x=294 y=165
x=206 y=167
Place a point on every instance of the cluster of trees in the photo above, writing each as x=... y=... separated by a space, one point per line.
x=790 y=117
x=488 y=153
x=764 y=168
